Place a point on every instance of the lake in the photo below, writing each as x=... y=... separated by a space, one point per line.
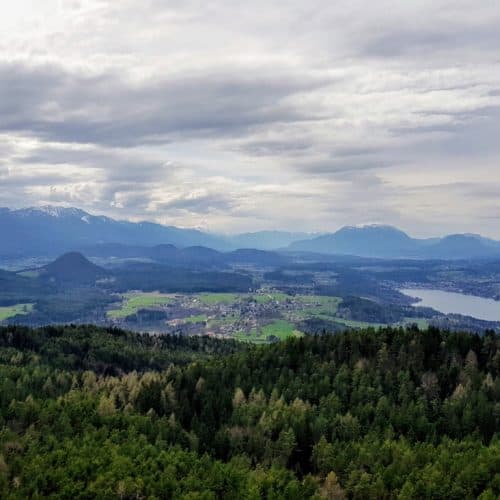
x=456 y=303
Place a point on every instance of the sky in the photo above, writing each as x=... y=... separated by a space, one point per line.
x=235 y=116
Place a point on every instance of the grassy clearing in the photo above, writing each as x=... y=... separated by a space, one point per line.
x=253 y=337
x=281 y=329
x=357 y=324
x=319 y=304
x=199 y=318
x=211 y=299
x=224 y=321
x=265 y=298
x=16 y=310
x=326 y=308
x=134 y=302
x=422 y=323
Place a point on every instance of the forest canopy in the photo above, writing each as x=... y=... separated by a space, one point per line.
x=392 y=413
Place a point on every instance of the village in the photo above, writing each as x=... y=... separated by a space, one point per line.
x=263 y=316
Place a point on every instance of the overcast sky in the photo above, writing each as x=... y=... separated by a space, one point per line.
x=232 y=115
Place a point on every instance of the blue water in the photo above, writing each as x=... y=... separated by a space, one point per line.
x=456 y=303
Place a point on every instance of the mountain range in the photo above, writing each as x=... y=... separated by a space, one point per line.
x=51 y=231
x=195 y=256
x=55 y=230
x=389 y=242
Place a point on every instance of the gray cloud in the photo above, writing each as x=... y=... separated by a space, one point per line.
x=115 y=166
x=54 y=104
x=344 y=167
x=466 y=133
x=236 y=116
x=422 y=40
x=276 y=147
x=200 y=203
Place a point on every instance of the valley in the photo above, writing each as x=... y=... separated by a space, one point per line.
x=187 y=282
x=250 y=296
x=260 y=317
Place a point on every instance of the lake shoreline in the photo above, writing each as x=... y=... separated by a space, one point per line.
x=446 y=302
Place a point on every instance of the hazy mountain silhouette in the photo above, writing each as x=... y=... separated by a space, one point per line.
x=390 y=242
x=51 y=231
x=72 y=268
x=54 y=230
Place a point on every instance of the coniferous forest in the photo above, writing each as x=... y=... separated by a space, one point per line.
x=394 y=413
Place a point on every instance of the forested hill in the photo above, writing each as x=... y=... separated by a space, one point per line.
x=395 y=413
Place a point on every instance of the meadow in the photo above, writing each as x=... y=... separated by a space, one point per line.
x=15 y=310
x=197 y=318
x=280 y=329
x=211 y=299
x=133 y=302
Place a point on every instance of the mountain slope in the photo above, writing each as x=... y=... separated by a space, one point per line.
x=72 y=268
x=390 y=242
x=258 y=257
x=266 y=240
x=462 y=246
x=51 y=231
x=365 y=241
x=190 y=256
x=55 y=230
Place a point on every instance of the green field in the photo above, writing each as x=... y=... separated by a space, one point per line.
x=252 y=337
x=280 y=329
x=226 y=320
x=319 y=304
x=315 y=306
x=199 y=318
x=18 y=309
x=357 y=324
x=422 y=323
x=211 y=299
x=265 y=298
x=133 y=302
